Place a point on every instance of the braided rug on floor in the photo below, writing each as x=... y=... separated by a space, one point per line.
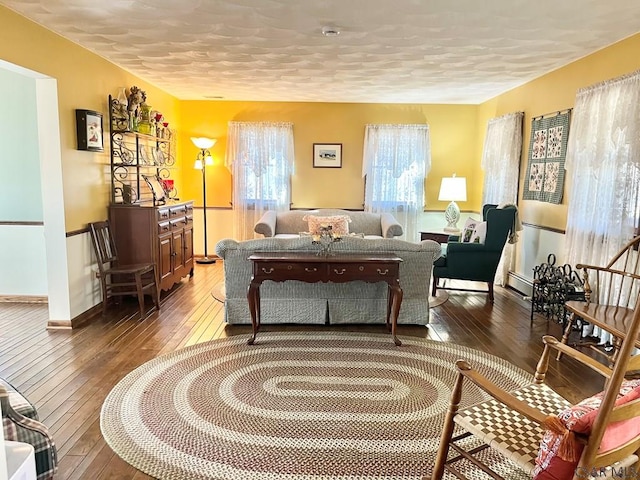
x=297 y=406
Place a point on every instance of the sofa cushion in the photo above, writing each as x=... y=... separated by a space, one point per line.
x=339 y=223
x=479 y=233
x=468 y=229
x=580 y=418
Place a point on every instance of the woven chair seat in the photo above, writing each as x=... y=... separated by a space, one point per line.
x=512 y=434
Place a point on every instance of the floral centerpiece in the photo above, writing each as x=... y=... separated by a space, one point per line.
x=325 y=238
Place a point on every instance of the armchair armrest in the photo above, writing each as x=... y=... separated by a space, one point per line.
x=18 y=428
x=602 y=369
x=459 y=247
x=224 y=245
x=267 y=224
x=499 y=394
x=390 y=226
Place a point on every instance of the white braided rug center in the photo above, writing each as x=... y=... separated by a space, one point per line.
x=303 y=406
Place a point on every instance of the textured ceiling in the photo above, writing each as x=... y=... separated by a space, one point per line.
x=392 y=51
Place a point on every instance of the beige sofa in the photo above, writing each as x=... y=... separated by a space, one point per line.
x=320 y=303
x=290 y=223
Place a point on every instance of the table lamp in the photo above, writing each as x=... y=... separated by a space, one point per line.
x=453 y=189
x=202 y=160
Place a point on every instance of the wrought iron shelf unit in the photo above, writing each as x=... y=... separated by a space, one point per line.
x=140 y=163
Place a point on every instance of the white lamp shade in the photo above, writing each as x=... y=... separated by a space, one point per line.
x=208 y=160
x=203 y=142
x=453 y=189
x=198 y=165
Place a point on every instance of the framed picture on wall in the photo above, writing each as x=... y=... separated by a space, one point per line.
x=89 y=130
x=327 y=155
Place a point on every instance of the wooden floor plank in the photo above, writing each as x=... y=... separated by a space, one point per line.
x=68 y=374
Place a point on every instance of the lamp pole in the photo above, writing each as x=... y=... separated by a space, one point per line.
x=204 y=159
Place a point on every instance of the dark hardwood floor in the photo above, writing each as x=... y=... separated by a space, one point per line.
x=67 y=374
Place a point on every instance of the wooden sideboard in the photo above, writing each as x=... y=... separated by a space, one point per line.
x=162 y=234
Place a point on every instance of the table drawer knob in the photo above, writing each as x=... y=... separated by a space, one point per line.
x=339 y=272
x=310 y=269
x=267 y=270
x=380 y=272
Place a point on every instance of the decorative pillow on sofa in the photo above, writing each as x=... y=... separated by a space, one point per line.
x=339 y=223
x=467 y=230
x=479 y=233
x=580 y=418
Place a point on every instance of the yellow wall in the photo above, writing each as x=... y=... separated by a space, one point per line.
x=457 y=131
x=453 y=140
x=552 y=92
x=84 y=81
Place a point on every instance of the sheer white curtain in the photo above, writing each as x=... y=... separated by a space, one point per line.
x=260 y=157
x=603 y=161
x=396 y=161
x=501 y=165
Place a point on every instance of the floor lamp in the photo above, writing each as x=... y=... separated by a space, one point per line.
x=202 y=160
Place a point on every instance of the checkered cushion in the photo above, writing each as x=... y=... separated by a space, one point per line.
x=20 y=404
x=508 y=432
x=24 y=427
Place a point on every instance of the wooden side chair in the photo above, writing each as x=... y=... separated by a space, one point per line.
x=121 y=280
x=542 y=434
x=611 y=294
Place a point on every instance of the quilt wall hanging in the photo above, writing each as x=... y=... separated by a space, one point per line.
x=547 y=153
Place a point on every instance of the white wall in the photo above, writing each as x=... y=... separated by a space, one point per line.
x=23 y=259
x=84 y=287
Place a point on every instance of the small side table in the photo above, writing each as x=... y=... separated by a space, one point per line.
x=439 y=236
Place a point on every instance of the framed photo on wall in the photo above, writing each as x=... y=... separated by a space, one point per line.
x=89 y=130
x=327 y=155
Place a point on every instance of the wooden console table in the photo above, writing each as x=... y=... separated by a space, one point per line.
x=311 y=268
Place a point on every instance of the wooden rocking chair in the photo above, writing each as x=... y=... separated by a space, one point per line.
x=513 y=423
x=611 y=293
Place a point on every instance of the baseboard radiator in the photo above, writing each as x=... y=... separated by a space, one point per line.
x=521 y=284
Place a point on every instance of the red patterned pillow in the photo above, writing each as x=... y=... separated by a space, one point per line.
x=339 y=223
x=580 y=418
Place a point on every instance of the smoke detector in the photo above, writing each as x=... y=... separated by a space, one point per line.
x=330 y=31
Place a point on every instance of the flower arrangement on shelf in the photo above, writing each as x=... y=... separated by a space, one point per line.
x=325 y=239
x=130 y=112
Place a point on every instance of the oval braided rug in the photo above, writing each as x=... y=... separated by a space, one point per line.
x=293 y=406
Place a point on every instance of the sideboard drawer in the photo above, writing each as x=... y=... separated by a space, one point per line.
x=280 y=271
x=178 y=223
x=163 y=214
x=341 y=272
x=178 y=211
x=164 y=227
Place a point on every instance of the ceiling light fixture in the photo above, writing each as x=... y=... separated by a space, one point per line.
x=330 y=31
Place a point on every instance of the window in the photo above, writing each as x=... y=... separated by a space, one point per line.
x=396 y=161
x=260 y=157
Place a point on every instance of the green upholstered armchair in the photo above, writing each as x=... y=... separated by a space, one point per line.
x=474 y=261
